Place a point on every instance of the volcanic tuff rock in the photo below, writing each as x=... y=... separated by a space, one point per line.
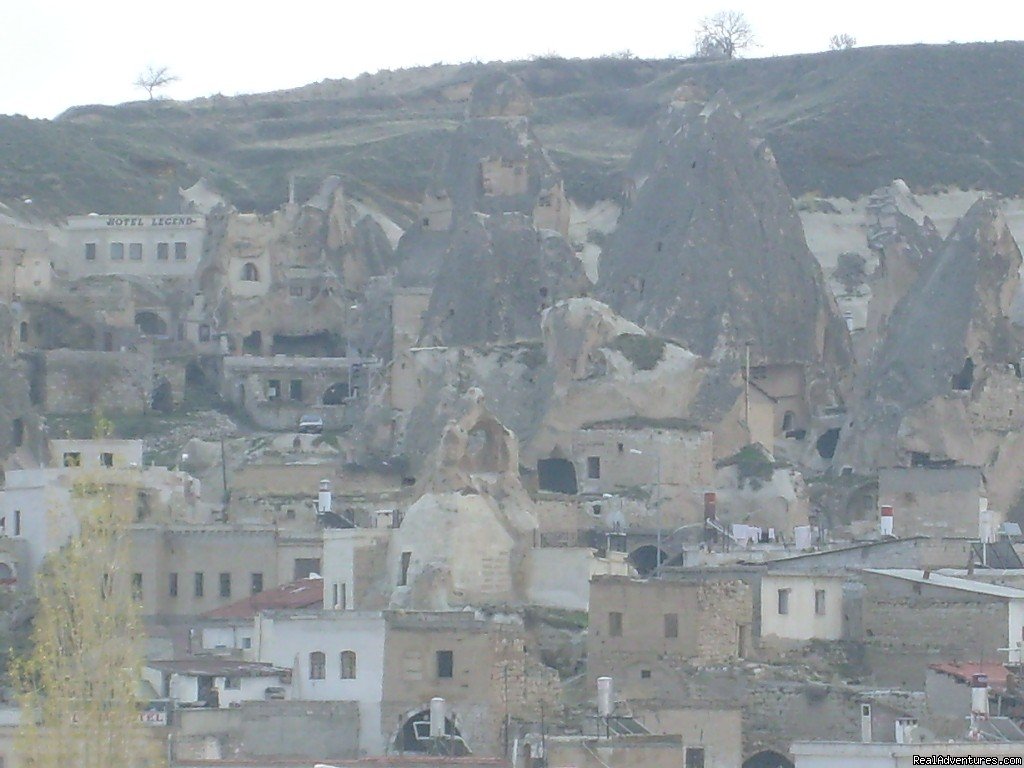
x=711 y=251
x=945 y=382
x=497 y=277
x=905 y=241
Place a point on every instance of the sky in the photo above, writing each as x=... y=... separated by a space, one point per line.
x=55 y=54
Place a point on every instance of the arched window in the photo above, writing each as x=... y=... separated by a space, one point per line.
x=317 y=665
x=348 y=665
x=250 y=273
x=23 y=331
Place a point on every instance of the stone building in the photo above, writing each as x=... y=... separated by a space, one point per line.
x=276 y=391
x=933 y=501
x=150 y=245
x=639 y=628
x=913 y=618
x=393 y=663
x=671 y=464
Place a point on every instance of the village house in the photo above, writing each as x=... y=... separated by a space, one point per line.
x=933 y=501
x=215 y=683
x=913 y=618
x=638 y=629
x=799 y=607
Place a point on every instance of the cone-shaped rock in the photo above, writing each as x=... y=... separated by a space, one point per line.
x=711 y=251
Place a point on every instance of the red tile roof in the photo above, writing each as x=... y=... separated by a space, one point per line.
x=305 y=593
x=963 y=670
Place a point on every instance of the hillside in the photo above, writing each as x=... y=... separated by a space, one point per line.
x=839 y=123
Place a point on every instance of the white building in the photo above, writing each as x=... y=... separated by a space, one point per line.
x=334 y=656
x=801 y=607
x=131 y=244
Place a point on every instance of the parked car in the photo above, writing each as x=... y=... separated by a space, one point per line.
x=311 y=424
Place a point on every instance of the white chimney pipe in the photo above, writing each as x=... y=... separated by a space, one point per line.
x=323 y=503
x=437 y=717
x=604 y=696
x=885 y=520
x=979 y=696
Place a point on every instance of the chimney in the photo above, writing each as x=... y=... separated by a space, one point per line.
x=437 y=717
x=865 y=723
x=710 y=501
x=986 y=529
x=323 y=503
x=604 y=696
x=979 y=696
x=885 y=520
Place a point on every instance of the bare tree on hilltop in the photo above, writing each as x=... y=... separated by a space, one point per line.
x=154 y=78
x=723 y=35
x=843 y=42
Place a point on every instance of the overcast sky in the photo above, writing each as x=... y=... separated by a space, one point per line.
x=56 y=53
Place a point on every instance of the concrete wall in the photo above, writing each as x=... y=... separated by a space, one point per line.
x=141 y=230
x=802 y=621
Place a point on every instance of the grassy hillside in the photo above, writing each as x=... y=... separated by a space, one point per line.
x=840 y=123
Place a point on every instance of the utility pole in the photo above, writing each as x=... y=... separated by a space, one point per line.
x=746 y=394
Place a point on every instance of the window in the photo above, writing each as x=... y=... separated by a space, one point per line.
x=198 y=584
x=135 y=251
x=295 y=290
x=317 y=665
x=246 y=643
x=295 y=389
x=137 y=586
x=17 y=522
x=445 y=664
x=403 y=573
x=348 y=665
x=180 y=251
x=693 y=757
x=645 y=674
x=90 y=251
x=72 y=459
x=204 y=332
x=615 y=624
x=163 y=251
x=225 y=585
x=106 y=459
x=593 y=467
x=783 y=601
x=340 y=596
x=819 y=602
x=249 y=273
x=172 y=584
x=273 y=389
x=620 y=447
x=23 y=333
x=232 y=683
x=256 y=583
x=671 y=625
x=18 y=428
x=117 y=251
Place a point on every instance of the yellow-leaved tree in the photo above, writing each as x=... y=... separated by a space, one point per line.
x=80 y=682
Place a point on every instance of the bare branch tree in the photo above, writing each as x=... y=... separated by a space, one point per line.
x=843 y=42
x=154 y=78
x=724 y=35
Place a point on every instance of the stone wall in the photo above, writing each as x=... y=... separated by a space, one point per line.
x=79 y=381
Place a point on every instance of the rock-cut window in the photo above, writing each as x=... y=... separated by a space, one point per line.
x=250 y=273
